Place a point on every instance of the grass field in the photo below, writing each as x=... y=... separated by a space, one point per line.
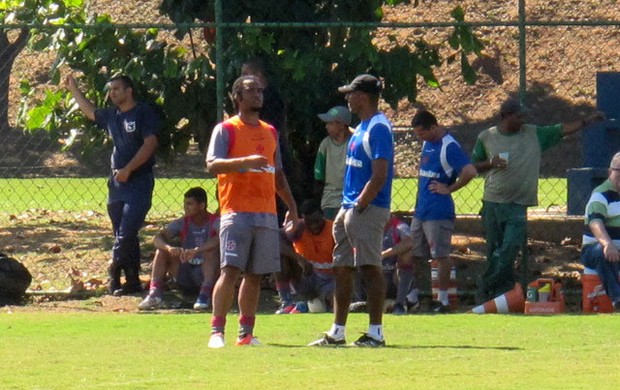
x=71 y=194
x=50 y=350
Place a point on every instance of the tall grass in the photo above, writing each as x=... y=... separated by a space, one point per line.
x=48 y=350
x=72 y=194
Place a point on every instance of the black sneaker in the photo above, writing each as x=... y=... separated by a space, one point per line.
x=327 y=341
x=439 y=308
x=358 y=307
x=413 y=307
x=114 y=281
x=113 y=286
x=128 y=289
x=617 y=306
x=368 y=342
x=399 y=309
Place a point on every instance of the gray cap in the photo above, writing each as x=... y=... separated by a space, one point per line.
x=364 y=83
x=338 y=113
x=511 y=106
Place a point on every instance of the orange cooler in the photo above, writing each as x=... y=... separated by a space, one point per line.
x=554 y=304
x=594 y=299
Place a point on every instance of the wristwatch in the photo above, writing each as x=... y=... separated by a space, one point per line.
x=357 y=207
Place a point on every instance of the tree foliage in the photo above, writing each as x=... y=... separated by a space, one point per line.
x=181 y=89
x=20 y=12
x=306 y=64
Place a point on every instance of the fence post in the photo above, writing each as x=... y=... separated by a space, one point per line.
x=522 y=64
x=219 y=75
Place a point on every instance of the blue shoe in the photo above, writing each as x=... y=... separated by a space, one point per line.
x=203 y=302
x=300 y=307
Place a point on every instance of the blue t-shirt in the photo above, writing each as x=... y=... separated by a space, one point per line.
x=128 y=130
x=372 y=140
x=441 y=161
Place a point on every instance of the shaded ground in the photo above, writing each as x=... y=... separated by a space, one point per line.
x=69 y=253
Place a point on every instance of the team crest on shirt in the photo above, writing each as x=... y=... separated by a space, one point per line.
x=130 y=126
x=231 y=246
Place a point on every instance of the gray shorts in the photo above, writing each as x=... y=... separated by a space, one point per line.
x=359 y=236
x=432 y=239
x=316 y=285
x=189 y=278
x=252 y=249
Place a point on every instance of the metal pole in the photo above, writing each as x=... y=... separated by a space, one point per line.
x=524 y=277
x=219 y=67
x=522 y=64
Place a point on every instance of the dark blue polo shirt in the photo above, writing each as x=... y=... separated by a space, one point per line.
x=128 y=130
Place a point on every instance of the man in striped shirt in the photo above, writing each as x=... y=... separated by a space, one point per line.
x=601 y=238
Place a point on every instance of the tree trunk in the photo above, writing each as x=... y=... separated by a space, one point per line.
x=8 y=52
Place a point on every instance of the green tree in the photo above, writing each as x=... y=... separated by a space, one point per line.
x=306 y=64
x=13 y=40
x=95 y=49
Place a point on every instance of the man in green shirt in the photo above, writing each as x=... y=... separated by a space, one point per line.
x=330 y=159
x=510 y=156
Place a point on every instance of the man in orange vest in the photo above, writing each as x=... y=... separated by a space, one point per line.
x=245 y=155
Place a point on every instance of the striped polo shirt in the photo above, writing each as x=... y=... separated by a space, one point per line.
x=604 y=205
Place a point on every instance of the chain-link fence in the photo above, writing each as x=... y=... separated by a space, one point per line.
x=53 y=201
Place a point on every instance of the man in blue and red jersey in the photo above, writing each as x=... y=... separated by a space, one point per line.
x=244 y=154
x=187 y=250
x=358 y=227
x=444 y=169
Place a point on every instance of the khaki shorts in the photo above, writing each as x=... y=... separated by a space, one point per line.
x=359 y=236
x=252 y=249
x=432 y=239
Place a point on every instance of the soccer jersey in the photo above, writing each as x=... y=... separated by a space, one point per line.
x=372 y=140
x=317 y=249
x=192 y=235
x=441 y=161
x=392 y=235
x=128 y=130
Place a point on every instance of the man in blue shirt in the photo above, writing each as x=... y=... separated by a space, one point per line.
x=444 y=169
x=134 y=128
x=358 y=227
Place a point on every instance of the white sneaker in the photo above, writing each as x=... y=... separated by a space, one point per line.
x=216 y=340
x=150 y=303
